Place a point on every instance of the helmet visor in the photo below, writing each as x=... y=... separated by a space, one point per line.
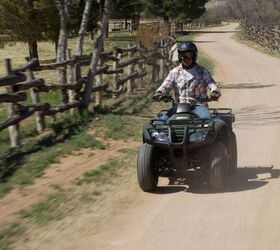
x=186 y=55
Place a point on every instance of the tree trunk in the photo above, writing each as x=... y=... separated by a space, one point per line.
x=33 y=49
x=79 y=49
x=96 y=53
x=62 y=44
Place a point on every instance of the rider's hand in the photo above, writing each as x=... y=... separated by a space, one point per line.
x=157 y=96
x=214 y=96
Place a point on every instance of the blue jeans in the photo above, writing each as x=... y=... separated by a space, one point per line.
x=200 y=110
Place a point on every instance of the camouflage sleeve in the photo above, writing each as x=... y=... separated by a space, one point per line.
x=167 y=83
x=210 y=82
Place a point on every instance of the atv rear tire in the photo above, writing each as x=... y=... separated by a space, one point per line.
x=218 y=166
x=146 y=173
x=232 y=154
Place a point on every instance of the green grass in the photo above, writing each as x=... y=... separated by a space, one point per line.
x=49 y=209
x=9 y=233
x=100 y=174
x=128 y=151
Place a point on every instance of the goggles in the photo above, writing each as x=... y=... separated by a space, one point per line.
x=187 y=55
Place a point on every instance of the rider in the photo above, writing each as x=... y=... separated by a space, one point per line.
x=190 y=82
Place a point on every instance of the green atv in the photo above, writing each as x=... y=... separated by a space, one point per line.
x=185 y=143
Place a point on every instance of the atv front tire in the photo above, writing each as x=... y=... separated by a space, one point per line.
x=146 y=173
x=218 y=166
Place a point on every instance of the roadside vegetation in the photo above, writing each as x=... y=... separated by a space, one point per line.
x=240 y=37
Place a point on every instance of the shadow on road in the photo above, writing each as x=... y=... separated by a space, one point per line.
x=246 y=86
x=245 y=178
x=189 y=32
x=258 y=116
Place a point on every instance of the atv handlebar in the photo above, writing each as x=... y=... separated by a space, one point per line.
x=168 y=98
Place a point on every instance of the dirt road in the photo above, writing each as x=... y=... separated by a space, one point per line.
x=245 y=216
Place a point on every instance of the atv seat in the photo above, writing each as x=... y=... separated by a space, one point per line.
x=183 y=108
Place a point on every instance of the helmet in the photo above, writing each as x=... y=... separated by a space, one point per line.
x=188 y=47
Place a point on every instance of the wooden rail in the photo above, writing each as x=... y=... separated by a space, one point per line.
x=126 y=65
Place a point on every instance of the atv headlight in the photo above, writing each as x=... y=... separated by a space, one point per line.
x=198 y=136
x=159 y=136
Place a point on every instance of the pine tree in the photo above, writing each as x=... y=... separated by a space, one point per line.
x=179 y=9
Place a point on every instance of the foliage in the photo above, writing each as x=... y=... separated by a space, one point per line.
x=75 y=13
x=127 y=8
x=30 y=20
x=186 y=9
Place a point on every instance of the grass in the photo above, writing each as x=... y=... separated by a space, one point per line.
x=100 y=174
x=9 y=233
x=57 y=205
x=20 y=166
x=49 y=209
x=239 y=36
x=128 y=151
x=122 y=122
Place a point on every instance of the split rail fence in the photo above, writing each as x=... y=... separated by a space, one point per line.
x=125 y=64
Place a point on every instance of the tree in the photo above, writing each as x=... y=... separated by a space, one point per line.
x=21 y=22
x=96 y=52
x=127 y=8
x=36 y=20
x=179 y=9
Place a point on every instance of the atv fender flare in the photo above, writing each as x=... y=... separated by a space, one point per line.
x=221 y=131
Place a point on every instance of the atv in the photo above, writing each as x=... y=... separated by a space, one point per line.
x=185 y=143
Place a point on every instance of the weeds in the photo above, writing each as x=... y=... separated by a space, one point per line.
x=97 y=175
x=9 y=233
x=47 y=210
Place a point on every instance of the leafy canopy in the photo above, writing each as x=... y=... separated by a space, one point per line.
x=179 y=9
x=127 y=8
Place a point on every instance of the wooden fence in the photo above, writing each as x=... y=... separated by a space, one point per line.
x=267 y=36
x=125 y=64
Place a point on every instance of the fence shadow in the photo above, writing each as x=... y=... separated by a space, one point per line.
x=257 y=115
x=13 y=160
x=189 y=32
x=246 y=86
x=246 y=178
x=122 y=38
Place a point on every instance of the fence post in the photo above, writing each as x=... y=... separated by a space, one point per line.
x=39 y=117
x=155 y=74
x=116 y=66
x=13 y=130
x=162 y=59
x=141 y=65
x=170 y=55
x=70 y=76
x=130 y=70
x=99 y=81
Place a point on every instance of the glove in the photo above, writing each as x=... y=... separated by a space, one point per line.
x=214 y=96
x=157 y=96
